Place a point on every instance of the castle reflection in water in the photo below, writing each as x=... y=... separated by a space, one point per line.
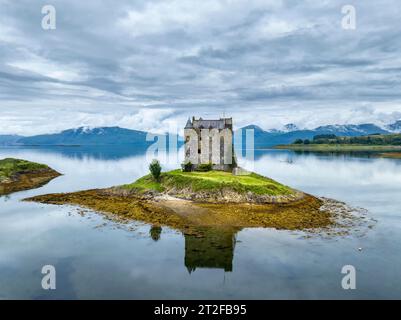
x=213 y=249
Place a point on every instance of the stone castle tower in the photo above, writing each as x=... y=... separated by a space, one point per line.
x=210 y=141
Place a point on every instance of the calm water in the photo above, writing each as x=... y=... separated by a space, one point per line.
x=97 y=258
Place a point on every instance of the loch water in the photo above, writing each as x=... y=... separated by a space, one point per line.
x=96 y=258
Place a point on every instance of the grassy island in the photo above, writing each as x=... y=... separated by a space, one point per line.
x=190 y=201
x=214 y=186
x=18 y=175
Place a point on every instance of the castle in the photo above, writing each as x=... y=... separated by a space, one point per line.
x=210 y=141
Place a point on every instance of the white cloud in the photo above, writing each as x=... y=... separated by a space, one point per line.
x=42 y=66
x=148 y=65
x=192 y=15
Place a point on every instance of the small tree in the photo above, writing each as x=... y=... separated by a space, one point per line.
x=299 y=141
x=204 y=167
x=155 y=169
x=187 y=166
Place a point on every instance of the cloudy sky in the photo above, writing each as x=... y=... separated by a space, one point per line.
x=150 y=64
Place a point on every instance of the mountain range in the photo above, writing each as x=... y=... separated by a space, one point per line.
x=87 y=136
x=80 y=136
x=9 y=139
x=268 y=138
x=121 y=136
x=395 y=127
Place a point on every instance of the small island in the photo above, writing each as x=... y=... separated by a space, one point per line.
x=209 y=191
x=204 y=199
x=388 y=145
x=18 y=175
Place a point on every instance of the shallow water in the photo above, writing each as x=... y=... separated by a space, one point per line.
x=98 y=258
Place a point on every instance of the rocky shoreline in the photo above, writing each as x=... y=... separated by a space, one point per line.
x=224 y=195
x=305 y=213
x=189 y=202
x=25 y=180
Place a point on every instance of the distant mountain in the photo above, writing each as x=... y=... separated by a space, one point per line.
x=260 y=135
x=6 y=140
x=270 y=138
x=395 y=127
x=351 y=129
x=258 y=129
x=254 y=127
x=87 y=136
x=121 y=136
x=290 y=127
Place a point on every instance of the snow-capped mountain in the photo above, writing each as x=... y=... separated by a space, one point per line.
x=352 y=129
x=263 y=138
x=273 y=137
x=88 y=136
x=394 y=127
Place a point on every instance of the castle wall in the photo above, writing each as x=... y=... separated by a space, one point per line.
x=214 y=146
x=222 y=142
x=191 y=146
x=206 y=146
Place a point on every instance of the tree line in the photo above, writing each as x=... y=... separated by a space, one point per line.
x=373 y=139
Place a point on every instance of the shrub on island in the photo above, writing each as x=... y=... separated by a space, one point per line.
x=204 y=167
x=155 y=169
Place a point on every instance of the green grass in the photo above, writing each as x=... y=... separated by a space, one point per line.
x=145 y=183
x=9 y=167
x=209 y=181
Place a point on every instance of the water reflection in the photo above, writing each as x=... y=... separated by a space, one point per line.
x=210 y=248
x=155 y=232
x=110 y=262
x=106 y=152
x=341 y=154
x=110 y=152
x=214 y=249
